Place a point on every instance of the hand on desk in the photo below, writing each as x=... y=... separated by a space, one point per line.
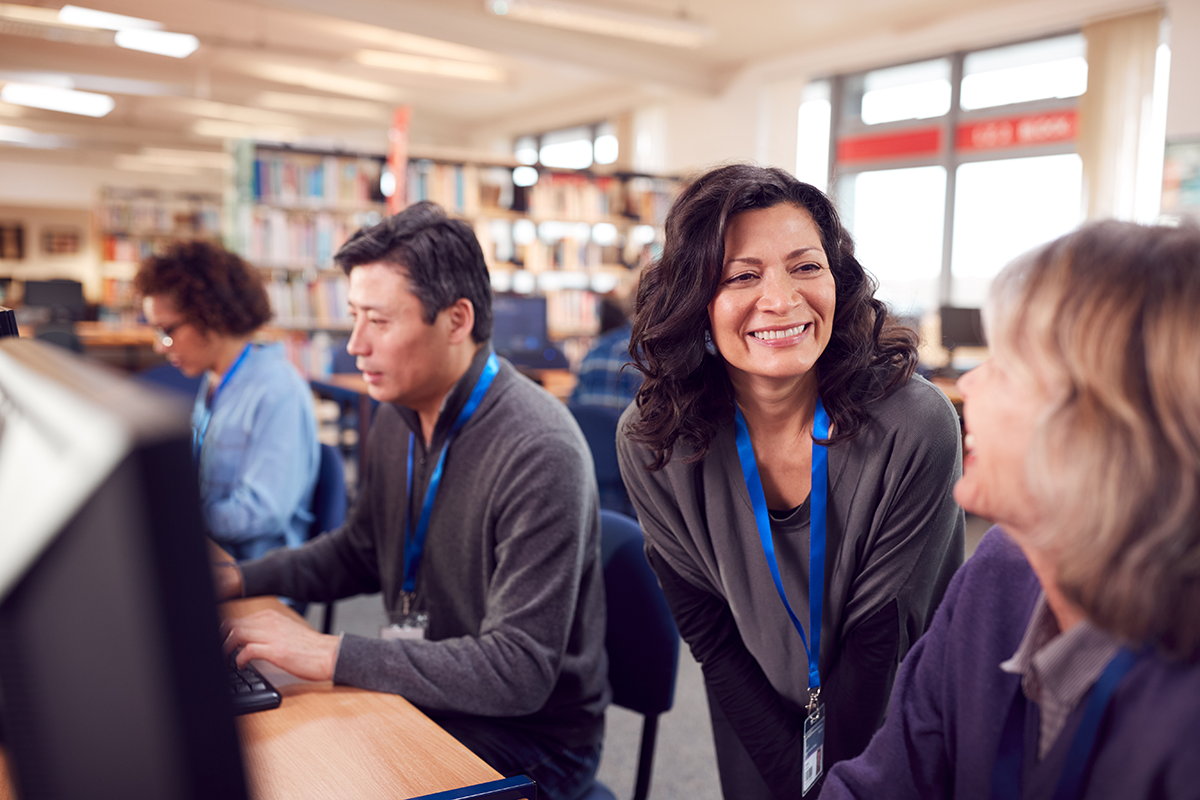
x=288 y=643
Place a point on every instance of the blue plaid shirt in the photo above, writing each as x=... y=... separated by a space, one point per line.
x=602 y=382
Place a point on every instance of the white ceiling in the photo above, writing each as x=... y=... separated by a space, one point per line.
x=287 y=68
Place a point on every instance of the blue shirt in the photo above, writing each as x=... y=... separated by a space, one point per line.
x=260 y=456
x=602 y=382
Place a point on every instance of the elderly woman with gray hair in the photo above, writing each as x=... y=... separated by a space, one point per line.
x=1065 y=659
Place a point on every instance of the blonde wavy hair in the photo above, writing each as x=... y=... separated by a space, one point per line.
x=1107 y=320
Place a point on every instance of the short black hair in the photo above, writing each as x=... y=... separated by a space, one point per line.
x=440 y=257
x=213 y=289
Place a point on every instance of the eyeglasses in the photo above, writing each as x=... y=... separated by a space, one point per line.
x=164 y=334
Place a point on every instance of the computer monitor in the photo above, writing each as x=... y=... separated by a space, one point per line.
x=63 y=298
x=8 y=323
x=962 y=327
x=519 y=332
x=112 y=684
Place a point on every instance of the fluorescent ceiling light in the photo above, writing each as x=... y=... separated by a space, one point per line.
x=407 y=42
x=90 y=18
x=56 y=99
x=162 y=43
x=425 y=65
x=249 y=116
x=604 y=21
x=324 y=81
x=313 y=104
x=28 y=138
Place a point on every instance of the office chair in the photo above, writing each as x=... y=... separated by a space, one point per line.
x=169 y=377
x=642 y=641
x=599 y=426
x=329 y=507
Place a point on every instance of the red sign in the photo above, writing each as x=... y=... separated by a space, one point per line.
x=397 y=158
x=912 y=143
x=1023 y=131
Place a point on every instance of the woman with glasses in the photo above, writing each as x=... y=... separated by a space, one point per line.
x=253 y=425
x=1065 y=659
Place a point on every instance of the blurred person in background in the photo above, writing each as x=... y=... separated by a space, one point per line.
x=606 y=377
x=780 y=426
x=253 y=425
x=1065 y=659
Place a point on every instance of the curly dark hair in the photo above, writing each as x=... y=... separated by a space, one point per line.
x=214 y=289
x=686 y=393
x=440 y=256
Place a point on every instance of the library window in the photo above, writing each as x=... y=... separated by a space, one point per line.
x=946 y=169
x=571 y=148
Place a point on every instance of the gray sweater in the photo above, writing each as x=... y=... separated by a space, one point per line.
x=511 y=574
x=894 y=539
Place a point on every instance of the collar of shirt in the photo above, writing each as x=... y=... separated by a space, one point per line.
x=1058 y=668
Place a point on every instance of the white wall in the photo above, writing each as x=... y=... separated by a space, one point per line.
x=60 y=188
x=1183 y=101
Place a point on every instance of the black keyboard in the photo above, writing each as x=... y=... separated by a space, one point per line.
x=249 y=690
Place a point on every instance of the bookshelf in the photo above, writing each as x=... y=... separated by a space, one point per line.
x=132 y=224
x=571 y=236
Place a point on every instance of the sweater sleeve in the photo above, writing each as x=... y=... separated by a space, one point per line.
x=546 y=523
x=916 y=542
x=908 y=757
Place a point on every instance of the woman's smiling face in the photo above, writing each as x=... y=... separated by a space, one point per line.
x=772 y=315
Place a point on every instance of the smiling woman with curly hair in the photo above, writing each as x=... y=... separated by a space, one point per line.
x=780 y=426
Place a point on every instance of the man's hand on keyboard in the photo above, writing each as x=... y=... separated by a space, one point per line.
x=288 y=643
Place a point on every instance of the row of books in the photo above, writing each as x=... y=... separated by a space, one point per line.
x=311 y=355
x=469 y=190
x=146 y=212
x=316 y=181
x=572 y=312
x=275 y=237
x=319 y=303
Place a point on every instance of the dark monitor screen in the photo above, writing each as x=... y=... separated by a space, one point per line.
x=112 y=683
x=962 y=327
x=63 y=297
x=519 y=324
x=8 y=323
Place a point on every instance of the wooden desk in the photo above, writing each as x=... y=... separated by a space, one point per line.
x=327 y=742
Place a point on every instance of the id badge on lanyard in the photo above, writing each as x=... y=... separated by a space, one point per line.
x=814 y=723
x=409 y=623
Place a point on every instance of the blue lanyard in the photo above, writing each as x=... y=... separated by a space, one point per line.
x=1006 y=773
x=414 y=545
x=816 y=531
x=201 y=431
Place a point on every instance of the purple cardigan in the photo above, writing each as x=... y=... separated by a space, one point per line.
x=951 y=699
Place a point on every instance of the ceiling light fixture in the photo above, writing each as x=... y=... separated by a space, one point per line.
x=133 y=33
x=604 y=21
x=53 y=98
x=161 y=43
x=91 y=18
x=425 y=65
x=330 y=106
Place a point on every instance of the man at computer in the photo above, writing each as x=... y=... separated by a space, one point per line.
x=477 y=520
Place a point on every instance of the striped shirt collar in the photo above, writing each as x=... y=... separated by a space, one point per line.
x=1058 y=668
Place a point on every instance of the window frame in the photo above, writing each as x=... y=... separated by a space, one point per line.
x=846 y=126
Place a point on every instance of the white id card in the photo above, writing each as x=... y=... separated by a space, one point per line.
x=411 y=626
x=814 y=747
